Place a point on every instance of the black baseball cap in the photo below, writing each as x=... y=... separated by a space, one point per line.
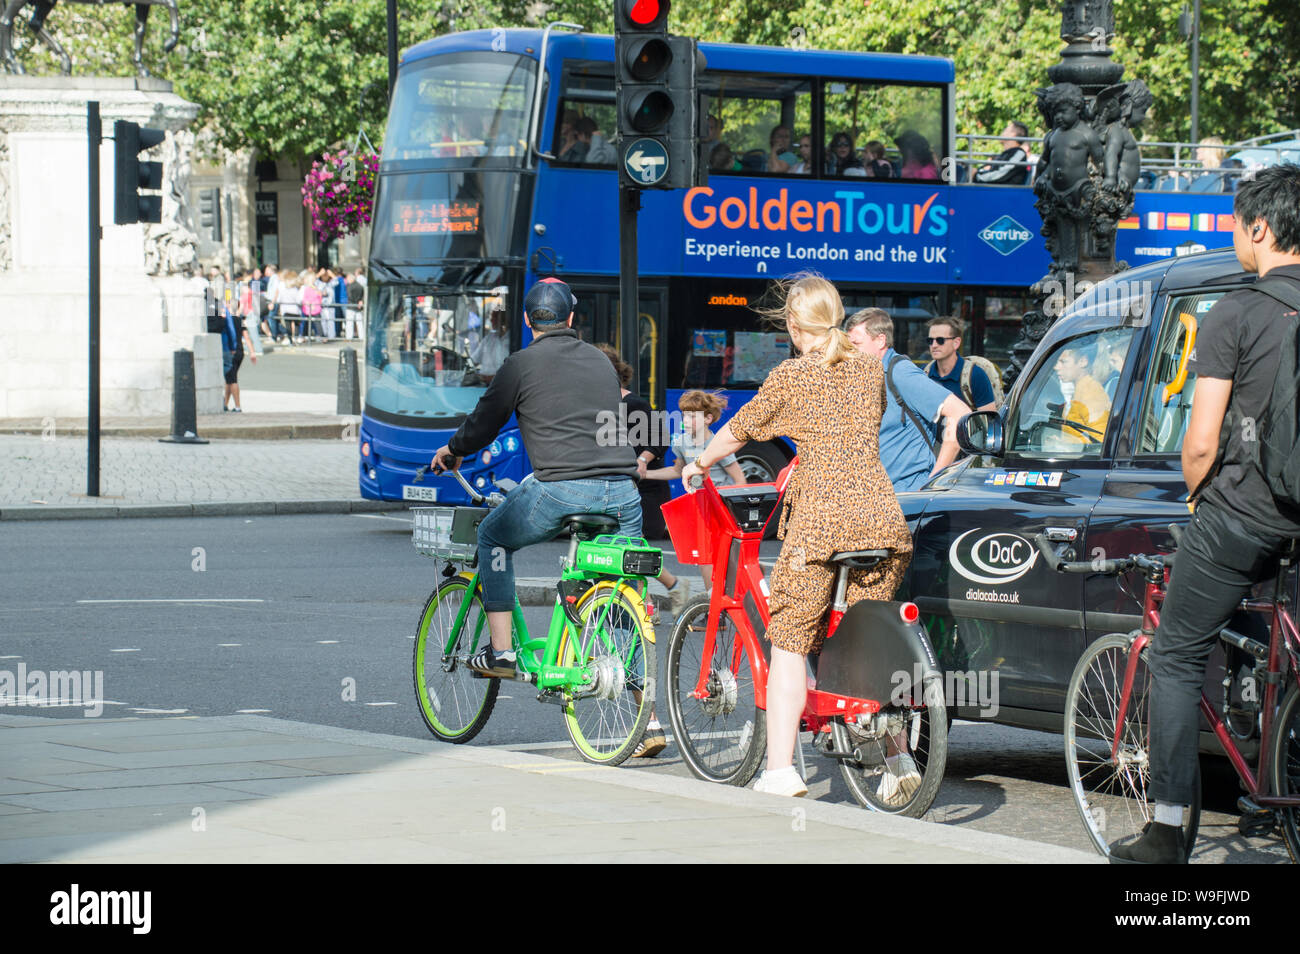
x=550 y=294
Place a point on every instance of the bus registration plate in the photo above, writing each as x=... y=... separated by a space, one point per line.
x=411 y=492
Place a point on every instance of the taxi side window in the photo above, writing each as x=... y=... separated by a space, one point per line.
x=1171 y=383
x=1067 y=407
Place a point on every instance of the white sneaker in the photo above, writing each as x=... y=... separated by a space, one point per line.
x=784 y=781
x=900 y=781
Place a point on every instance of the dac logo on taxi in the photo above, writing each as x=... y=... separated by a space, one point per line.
x=850 y=212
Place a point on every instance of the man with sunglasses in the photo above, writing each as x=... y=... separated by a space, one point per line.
x=966 y=379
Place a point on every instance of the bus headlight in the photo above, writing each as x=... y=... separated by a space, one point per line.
x=371 y=473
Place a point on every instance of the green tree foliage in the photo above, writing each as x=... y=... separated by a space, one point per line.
x=290 y=78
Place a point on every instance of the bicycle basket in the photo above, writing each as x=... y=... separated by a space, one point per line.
x=448 y=532
x=687 y=529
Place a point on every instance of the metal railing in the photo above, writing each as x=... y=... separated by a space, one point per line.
x=1166 y=166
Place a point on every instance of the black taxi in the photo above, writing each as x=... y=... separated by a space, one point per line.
x=1087 y=450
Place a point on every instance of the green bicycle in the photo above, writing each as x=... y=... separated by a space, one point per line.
x=597 y=661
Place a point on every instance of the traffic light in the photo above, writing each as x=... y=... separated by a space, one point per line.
x=688 y=126
x=657 y=99
x=644 y=102
x=131 y=174
x=210 y=213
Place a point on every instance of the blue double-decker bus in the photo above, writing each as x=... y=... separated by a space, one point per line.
x=490 y=180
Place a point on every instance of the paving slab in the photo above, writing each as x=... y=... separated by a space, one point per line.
x=390 y=798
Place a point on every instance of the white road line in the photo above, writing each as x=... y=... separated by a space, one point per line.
x=124 y=650
x=20 y=657
x=230 y=644
x=381 y=703
x=172 y=601
x=158 y=711
x=250 y=711
x=331 y=642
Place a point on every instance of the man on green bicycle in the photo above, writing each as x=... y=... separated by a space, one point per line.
x=1238 y=525
x=556 y=388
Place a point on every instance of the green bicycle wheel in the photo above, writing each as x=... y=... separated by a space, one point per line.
x=454 y=702
x=606 y=718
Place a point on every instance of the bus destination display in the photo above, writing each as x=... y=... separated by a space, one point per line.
x=436 y=217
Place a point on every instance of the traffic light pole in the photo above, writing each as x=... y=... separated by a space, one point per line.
x=230 y=235
x=94 y=132
x=629 y=288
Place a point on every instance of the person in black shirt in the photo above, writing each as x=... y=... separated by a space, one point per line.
x=1002 y=171
x=558 y=388
x=1238 y=527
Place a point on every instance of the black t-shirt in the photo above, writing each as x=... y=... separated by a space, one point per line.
x=1240 y=340
x=644 y=432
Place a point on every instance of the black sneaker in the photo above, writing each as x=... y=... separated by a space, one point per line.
x=485 y=662
x=1159 y=845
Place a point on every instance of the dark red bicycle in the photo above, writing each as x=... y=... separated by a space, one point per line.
x=875 y=702
x=1107 y=738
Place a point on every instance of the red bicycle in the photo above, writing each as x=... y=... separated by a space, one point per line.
x=1107 y=738
x=878 y=704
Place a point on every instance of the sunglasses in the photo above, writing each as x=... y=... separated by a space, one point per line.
x=939 y=341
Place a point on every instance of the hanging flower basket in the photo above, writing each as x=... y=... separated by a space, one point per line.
x=339 y=192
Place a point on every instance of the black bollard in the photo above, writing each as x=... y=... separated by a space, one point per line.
x=349 y=385
x=185 y=423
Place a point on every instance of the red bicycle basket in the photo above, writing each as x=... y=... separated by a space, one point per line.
x=687 y=529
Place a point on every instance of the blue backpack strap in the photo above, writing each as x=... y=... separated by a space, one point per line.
x=903 y=406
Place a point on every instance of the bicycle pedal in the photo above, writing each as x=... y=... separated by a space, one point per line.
x=1254 y=822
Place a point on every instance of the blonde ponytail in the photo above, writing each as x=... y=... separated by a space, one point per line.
x=811 y=304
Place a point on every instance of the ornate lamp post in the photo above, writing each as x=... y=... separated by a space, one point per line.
x=1088 y=168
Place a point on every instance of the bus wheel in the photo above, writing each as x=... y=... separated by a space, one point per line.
x=760 y=462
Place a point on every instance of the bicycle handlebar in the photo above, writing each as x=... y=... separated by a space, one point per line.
x=491 y=500
x=1103 y=567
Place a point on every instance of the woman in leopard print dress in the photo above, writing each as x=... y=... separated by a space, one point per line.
x=829 y=402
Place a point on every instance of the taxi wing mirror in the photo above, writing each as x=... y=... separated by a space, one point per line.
x=981 y=434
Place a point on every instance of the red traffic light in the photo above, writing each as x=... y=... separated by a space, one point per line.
x=644 y=13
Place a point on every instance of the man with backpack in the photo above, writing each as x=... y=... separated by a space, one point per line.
x=971 y=379
x=913 y=404
x=1240 y=462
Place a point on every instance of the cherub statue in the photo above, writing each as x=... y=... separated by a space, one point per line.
x=1118 y=110
x=1063 y=184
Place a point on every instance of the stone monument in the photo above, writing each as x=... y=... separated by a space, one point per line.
x=151 y=303
x=1088 y=167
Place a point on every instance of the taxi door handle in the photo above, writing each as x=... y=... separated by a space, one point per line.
x=1061 y=534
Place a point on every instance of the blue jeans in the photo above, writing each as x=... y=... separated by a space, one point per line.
x=531 y=514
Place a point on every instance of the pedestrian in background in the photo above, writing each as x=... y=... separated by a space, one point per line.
x=272 y=285
x=250 y=309
x=290 y=302
x=233 y=336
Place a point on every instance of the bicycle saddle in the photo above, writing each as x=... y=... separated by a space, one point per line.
x=588 y=524
x=861 y=559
